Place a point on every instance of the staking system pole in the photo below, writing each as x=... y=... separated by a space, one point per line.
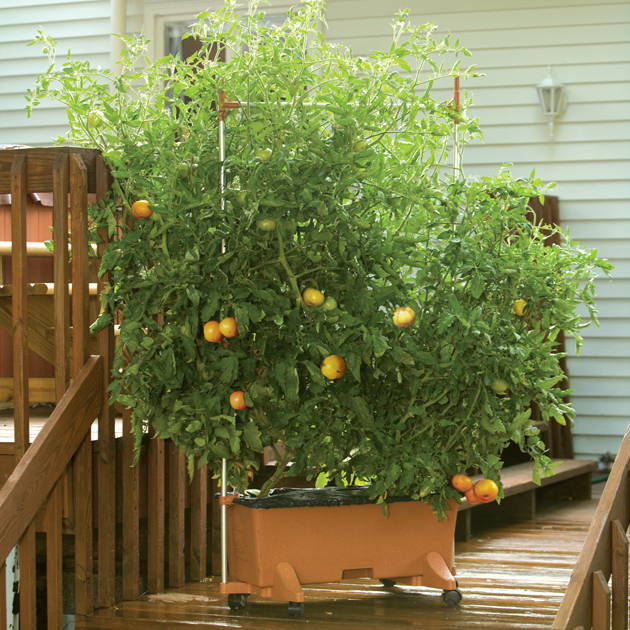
x=457 y=164
x=223 y=106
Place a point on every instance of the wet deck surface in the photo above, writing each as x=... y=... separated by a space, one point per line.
x=512 y=577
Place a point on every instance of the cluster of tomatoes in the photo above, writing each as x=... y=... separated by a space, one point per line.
x=482 y=491
x=332 y=367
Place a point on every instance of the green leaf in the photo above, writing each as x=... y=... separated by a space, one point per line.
x=353 y=361
x=251 y=433
x=102 y=321
x=477 y=287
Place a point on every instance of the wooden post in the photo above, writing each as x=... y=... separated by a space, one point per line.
x=54 y=560
x=130 y=516
x=176 y=516
x=19 y=304
x=60 y=273
x=198 y=547
x=106 y=464
x=28 y=580
x=83 y=558
x=601 y=602
x=155 y=516
x=619 y=577
x=78 y=210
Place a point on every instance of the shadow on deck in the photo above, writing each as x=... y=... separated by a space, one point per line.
x=511 y=577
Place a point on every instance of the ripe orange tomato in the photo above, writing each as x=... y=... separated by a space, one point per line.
x=313 y=297
x=211 y=331
x=228 y=327
x=486 y=490
x=141 y=209
x=404 y=317
x=333 y=366
x=461 y=482
x=471 y=497
x=237 y=400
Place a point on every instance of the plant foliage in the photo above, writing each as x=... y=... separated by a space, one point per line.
x=349 y=156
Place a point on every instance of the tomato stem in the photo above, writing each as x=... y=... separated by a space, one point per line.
x=277 y=475
x=282 y=259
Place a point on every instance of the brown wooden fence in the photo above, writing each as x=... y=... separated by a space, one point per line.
x=590 y=602
x=75 y=479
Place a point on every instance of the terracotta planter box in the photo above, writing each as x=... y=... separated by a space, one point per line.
x=273 y=551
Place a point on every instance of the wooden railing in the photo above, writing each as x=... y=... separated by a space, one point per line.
x=590 y=602
x=149 y=513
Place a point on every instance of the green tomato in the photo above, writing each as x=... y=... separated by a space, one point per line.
x=184 y=170
x=359 y=145
x=264 y=155
x=330 y=304
x=266 y=224
x=290 y=226
x=499 y=386
x=241 y=197
x=94 y=120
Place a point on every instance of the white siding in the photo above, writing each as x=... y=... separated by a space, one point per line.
x=82 y=26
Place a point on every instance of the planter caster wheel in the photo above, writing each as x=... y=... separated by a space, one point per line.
x=388 y=582
x=237 y=601
x=296 y=609
x=452 y=598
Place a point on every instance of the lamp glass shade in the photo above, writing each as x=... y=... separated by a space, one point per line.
x=551 y=96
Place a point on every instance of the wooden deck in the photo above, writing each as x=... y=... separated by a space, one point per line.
x=512 y=577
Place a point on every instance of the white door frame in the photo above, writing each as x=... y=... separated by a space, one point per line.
x=158 y=13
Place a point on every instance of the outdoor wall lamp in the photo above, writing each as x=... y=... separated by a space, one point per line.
x=552 y=97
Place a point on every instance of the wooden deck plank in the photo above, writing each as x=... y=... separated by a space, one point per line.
x=512 y=577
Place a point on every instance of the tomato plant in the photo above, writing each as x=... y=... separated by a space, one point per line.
x=337 y=177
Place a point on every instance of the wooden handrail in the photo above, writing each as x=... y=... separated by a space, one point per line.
x=28 y=486
x=605 y=552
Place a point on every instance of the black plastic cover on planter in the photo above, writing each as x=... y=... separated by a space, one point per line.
x=311 y=497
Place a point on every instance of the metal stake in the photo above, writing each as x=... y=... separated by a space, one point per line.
x=457 y=163
x=224 y=567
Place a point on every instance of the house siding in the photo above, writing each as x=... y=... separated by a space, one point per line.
x=79 y=25
x=588 y=45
